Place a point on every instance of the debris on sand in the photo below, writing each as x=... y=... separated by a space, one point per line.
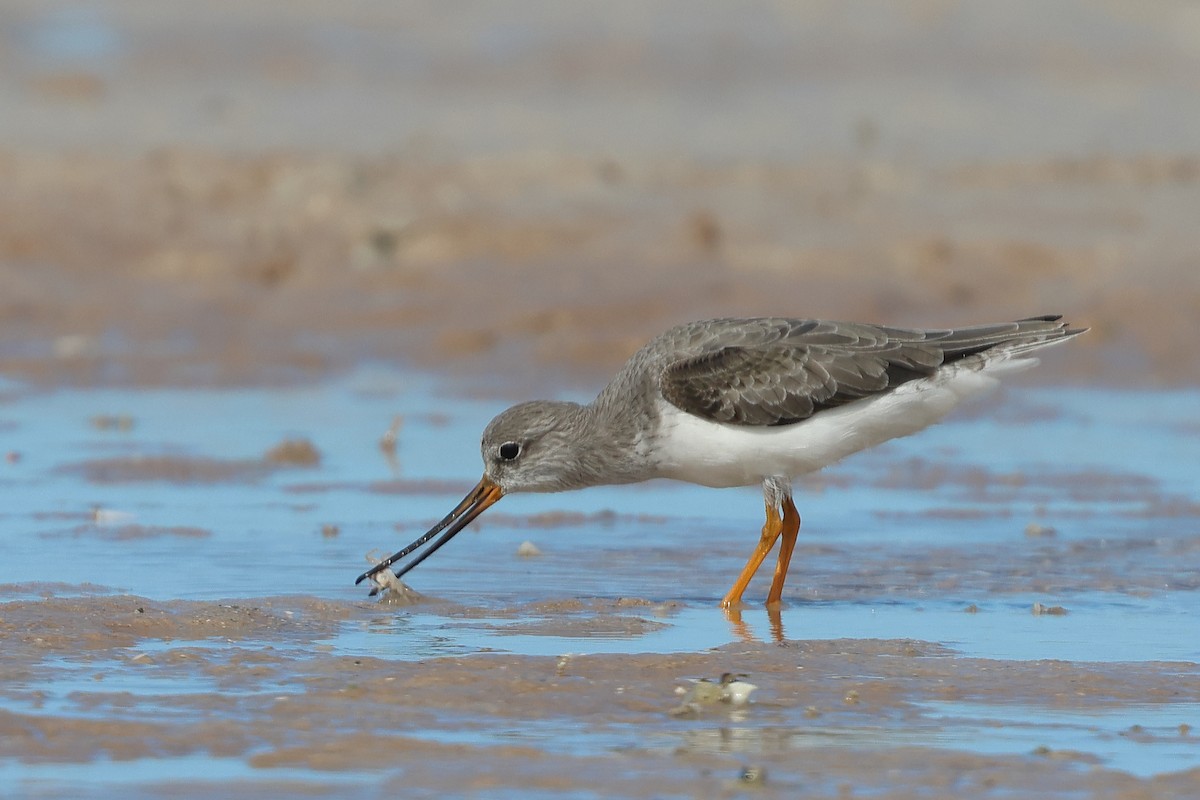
x=392 y=590
x=752 y=776
x=112 y=422
x=1040 y=610
x=391 y=437
x=730 y=688
x=737 y=691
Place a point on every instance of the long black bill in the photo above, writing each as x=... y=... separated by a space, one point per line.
x=477 y=500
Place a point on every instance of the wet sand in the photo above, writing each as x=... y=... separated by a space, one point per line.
x=492 y=722
x=267 y=269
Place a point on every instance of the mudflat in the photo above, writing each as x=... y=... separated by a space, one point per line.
x=266 y=270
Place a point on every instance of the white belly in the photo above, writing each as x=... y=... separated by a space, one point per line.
x=715 y=454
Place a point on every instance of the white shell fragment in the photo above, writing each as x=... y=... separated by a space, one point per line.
x=528 y=550
x=390 y=588
x=385 y=580
x=736 y=691
x=703 y=693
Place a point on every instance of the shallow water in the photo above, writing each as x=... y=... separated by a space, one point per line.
x=1139 y=739
x=1158 y=630
x=1107 y=467
x=165 y=495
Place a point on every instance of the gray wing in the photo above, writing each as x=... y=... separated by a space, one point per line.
x=778 y=371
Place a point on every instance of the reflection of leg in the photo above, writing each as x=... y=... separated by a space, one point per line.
x=733 y=614
x=789 y=527
x=776 y=620
x=770 y=532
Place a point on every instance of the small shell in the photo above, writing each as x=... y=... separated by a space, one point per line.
x=528 y=550
x=738 y=692
x=391 y=589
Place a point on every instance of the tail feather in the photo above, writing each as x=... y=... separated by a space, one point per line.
x=1008 y=339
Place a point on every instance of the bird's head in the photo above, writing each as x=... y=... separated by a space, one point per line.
x=537 y=447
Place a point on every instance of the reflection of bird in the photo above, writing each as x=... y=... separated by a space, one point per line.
x=736 y=402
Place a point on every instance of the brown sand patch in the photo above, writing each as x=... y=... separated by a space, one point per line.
x=184 y=276
x=290 y=454
x=126 y=533
x=169 y=469
x=293 y=453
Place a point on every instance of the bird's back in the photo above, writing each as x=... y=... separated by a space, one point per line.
x=733 y=401
x=778 y=370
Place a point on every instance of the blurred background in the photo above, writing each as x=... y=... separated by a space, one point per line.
x=226 y=192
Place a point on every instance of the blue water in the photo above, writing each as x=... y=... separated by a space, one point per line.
x=1156 y=744
x=162 y=777
x=265 y=535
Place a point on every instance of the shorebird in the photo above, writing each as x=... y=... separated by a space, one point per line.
x=741 y=402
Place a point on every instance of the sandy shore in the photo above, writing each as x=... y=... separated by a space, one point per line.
x=229 y=193
x=183 y=267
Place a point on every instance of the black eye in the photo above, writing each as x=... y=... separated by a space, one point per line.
x=510 y=450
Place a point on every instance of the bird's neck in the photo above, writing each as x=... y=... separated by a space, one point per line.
x=610 y=446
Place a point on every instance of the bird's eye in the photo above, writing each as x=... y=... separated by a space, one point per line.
x=510 y=450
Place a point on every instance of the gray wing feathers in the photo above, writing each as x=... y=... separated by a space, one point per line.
x=779 y=371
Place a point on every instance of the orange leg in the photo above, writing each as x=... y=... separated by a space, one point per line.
x=770 y=532
x=790 y=527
